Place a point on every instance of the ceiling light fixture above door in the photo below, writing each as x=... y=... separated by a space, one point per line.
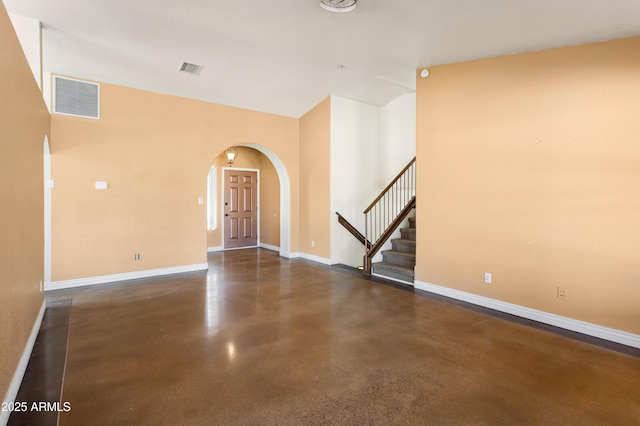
x=338 y=5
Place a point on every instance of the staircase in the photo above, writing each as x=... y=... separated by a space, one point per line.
x=381 y=219
x=398 y=263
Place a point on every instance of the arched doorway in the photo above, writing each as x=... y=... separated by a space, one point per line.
x=285 y=197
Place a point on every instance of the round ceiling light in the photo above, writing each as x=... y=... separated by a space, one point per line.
x=338 y=5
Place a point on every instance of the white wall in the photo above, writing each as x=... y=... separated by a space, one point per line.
x=369 y=146
x=397 y=136
x=397 y=145
x=355 y=139
x=29 y=33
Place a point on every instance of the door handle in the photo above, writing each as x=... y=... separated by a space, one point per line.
x=226 y=214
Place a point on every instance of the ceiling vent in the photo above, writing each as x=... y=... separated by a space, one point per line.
x=191 y=68
x=75 y=97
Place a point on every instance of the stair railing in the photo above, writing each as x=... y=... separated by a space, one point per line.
x=352 y=229
x=387 y=211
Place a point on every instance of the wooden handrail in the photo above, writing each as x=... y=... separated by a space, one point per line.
x=352 y=229
x=384 y=191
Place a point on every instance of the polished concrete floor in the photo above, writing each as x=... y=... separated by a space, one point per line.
x=262 y=340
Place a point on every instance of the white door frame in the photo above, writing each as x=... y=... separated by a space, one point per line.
x=48 y=184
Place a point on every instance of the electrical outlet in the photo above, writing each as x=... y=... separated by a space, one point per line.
x=487 y=277
x=136 y=256
x=563 y=293
x=313 y=243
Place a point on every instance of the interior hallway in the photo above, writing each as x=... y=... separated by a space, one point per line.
x=259 y=339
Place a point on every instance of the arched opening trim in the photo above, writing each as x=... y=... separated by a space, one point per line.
x=285 y=197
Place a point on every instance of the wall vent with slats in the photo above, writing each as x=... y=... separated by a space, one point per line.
x=191 y=68
x=75 y=97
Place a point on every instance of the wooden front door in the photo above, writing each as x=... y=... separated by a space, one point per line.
x=240 y=208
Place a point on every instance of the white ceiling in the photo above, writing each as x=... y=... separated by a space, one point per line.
x=281 y=56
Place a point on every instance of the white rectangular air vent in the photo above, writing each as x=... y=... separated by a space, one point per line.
x=191 y=68
x=75 y=97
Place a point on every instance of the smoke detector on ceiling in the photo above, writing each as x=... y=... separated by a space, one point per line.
x=338 y=5
x=191 y=68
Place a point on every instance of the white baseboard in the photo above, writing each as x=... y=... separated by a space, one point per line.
x=103 y=279
x=589 y=329
x=14 y=387
x=393 y=279
x=262 y=245
x=269 y=247
x=239 y=248
x=312 y=258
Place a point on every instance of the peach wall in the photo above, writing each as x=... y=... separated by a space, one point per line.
x=24 y=123
x=154 y=150
x=315 y=202
x=269 y=195
x=530 y=168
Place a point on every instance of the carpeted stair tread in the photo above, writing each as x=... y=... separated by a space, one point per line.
x=402 y=273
